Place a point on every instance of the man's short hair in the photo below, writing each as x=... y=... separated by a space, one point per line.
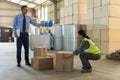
x=24 y=6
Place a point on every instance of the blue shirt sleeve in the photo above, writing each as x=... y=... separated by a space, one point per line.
x=84 y=45
x=15 y=23
x=34 y=23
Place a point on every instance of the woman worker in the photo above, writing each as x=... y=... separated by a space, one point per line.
x=87 y=51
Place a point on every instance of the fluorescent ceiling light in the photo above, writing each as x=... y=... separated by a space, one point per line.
x=30 y=0
x=31 y=5
x=23 y=3
x=39 y=1
x=15 y=1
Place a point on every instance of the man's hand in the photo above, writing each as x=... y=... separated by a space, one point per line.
x=16 y=35
x=42 y=23
x=68 y=56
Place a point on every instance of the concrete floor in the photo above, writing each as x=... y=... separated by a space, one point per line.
x=102 y=69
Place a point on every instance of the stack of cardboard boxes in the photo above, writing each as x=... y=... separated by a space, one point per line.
x=41 y=61
x=114 y=25
x=97 y=23
x=103 y=23
x=64 y=65
x=73 y=12
x=44 y=61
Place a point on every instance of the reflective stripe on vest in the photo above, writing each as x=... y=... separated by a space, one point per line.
x=92 y=48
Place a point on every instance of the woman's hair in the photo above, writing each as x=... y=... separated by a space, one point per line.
x=82 y=32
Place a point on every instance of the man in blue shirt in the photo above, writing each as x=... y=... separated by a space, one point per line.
x=21 y=22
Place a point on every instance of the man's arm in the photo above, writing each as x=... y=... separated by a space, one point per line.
x=15 y=23
x=36 y=24
x=14 y=26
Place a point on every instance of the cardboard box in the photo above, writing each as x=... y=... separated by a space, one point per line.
x=90 y=4
x=62 y=12
x=78 y=18
x=104 y=2
x=66 y=9
x=66 y=20
x=42 y=63
x=90 y=27
x=82 y=17
x=84 y=22
x=115 y=2
x=61 y=4
x=90 y=33
x=97 y=3
x=104 y=21
x=97 y=21
x=114 y=45
x=75 y=9
x=82 y=1
x=105 y=11
x=97 y=12
x=70 y=19
x=66 y=2
x=105 y=47
x=90 y=21
x=82 y=8
x=75 y=1
x=54 y=58
x=75 y=19
x=64 y=65
x=70 y=10
x=105 y=27
x=114 y=35
x=99 y=27
x=104 y=35
x=32 y=61
x=40 y=51
x=62 y=20
x=114 y=10
x=70 y=2
x=114 y=23
x=90 y=13
x=96 y=35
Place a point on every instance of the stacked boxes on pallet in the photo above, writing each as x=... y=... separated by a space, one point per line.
x=103 y=23
x=41 y=61
x=73 y=12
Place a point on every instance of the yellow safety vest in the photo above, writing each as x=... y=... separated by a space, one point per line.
x=93 y=49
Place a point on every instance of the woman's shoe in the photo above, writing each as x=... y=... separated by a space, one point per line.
x=86 y=71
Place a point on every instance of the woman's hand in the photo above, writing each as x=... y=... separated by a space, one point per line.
x=67 y=56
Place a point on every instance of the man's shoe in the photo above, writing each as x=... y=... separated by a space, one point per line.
x=86 y=71
x=28 y=64
x=18 y=65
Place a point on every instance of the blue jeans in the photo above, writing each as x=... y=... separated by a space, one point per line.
x=23 y=40
x=85 y=57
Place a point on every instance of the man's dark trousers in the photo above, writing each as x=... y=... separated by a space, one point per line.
x=23 y=40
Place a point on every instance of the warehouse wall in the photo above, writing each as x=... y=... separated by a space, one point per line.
x=7 y=12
